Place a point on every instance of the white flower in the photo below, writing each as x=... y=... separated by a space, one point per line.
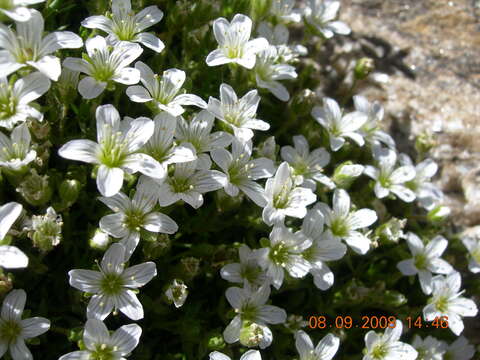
x=133 y=216
x=344 y=223
x=197 y=134
x=429 y=348
x=17 y=9
x=285 y=198
x=473 y=246
x=426 y=260
x=15 y=153
x=284 y=252
x=162 y=147
x=15 y=100
x=28 y=48
x=248 y=271
x=105 y=64
x=177 y=292
x=163 y=91
x=239 y=114
x=248 y=355
x=188 y=184
x=427 y=194
x=125 y=25
x=371 y=130
x=10 y=256
x=14 y=330
x=250 y=305
x=337 y=125
x=283 y=10
x=241 y=171
x=307 y=166
x=447 y=301
x=234 y=42
x=387 y=346
x=325 y=349
x=268 y=71
x=279 y=36
x=116 y=150
x=113 y=285
x=99 y=344
x=324 y=248
x=388 y=178
x=460 y=349
x=321 y=15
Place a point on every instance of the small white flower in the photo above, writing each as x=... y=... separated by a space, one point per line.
x=188 y=184
x=324 y=248
x=285 y=198
x=248 y=355
x=99 y=344
x=248 y=271
x=241 y=171
x=116 y=150
x=15 y=153
x=27 y=47
x=447 y=301
x=388 y=178
x=125 y=25
x=251 y=307
x=321 y=14
x=325 y=349
x=268 y=71
x=426 y=260
x=133 y=216
x=344 y=224
x=427 y=194
x=234 y=42
x=460 y=349
x=387 y=346
x=197 y=134
x=163 y=91
x=10 y=256
x=162 y=147
x=239 y=114
x=473 y=246
x=14 y=330
x=285 y=252
x=46 y=230
x=105 y=64
x=371 y=130
x=339 y=126
x=177 y=293
x=15 y=100
x=113 y=285
x=283 y=10
x=429 y=348
x=307 y=166
x=17 y=9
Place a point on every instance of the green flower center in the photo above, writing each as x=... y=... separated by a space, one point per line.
x=134 y=219
x=250 y=272
x=249 y=311
x=339 y=227
x=442 y=304
x=102 y=352
x=102 y=67
x=125 y=28
x=8 y=103
x=282 y=198
x=25 y=54
x=279 y=254
x=111 y=284
x=180 y=185
x=385 y=181
x=113 y=149
x=10 y=330
x=379 y=351
x=420 y=261
x=233 y=52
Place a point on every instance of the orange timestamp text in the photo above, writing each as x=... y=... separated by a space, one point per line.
x=374 y=322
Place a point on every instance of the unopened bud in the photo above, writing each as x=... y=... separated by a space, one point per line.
x=346 y=173
x=99 y=240
x=177 y=293
x=35 y=189
x=47 y=230
x=363 y=68
x=438 y=213
x=69 y=190
x=216 y=342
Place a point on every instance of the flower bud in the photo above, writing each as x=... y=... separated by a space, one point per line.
x=47 y=230
x=346 y=173
x=363 y=68
x=438 y=213
x=99 y=240
x=35 y=189
x=177 y=293
x=69 y=190
x=216 y=342
x=424 y=142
